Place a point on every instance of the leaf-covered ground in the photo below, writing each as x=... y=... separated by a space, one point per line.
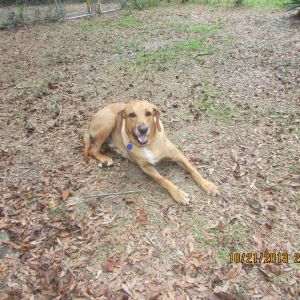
x=227 y=82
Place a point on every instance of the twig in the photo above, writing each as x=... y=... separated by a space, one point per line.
x=68 y=268
x=60 y=110
x=2 y=88
x=110 y=197
x=119 y=193
x=202 y=54
x=151 y=242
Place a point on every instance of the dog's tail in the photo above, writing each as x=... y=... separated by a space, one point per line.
x=87 y=146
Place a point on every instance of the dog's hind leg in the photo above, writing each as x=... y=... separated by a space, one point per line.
x=87 y=146
x=100 y=129
x=104 y=160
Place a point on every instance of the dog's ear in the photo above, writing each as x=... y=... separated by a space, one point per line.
x=157 y=116
x=120 y=118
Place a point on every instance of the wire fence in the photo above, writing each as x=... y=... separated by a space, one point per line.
x=20 y=12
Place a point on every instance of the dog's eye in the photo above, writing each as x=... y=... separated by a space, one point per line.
x=132 y=115
x=148 y=114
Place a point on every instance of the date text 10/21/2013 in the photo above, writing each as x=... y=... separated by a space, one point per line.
x=263 y=257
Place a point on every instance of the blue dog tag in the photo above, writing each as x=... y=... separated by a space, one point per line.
x=129 y=146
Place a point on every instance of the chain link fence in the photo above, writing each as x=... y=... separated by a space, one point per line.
x=20 y=12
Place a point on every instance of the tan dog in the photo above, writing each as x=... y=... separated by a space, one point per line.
x=135 y=131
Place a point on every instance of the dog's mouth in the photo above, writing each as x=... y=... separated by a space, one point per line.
x=142 y=139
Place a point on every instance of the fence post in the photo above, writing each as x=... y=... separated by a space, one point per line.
x=98 y=6
x=59 y=9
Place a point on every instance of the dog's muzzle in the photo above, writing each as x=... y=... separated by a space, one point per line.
x=142 y=139
x=142 y=134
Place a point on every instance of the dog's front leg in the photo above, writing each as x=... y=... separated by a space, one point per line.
x=175 y=192
x=209 y=187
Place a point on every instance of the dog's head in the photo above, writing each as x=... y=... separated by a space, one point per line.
x=141 y=122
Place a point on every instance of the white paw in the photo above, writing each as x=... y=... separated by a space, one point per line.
x=211 y=189
x=109 y=163
x=106 y=163
x=181 y=197
x=186 y=199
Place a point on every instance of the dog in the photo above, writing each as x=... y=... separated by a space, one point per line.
x=135 y=131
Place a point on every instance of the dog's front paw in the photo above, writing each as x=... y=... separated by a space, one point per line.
x=181 y=197
x=210 y=188
x=107 y=162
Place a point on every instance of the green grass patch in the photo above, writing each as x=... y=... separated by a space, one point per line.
x=165 y=55
x=295 y=169
x=140 y=4
x=287 y=122
x=114 y=48
x=39 y=88
x=213 y=109
x=160 y=57
x=190 y=45
x=15 y=18
x=31 y=201
x=86 y=26
x=223 y=255
x=235 y=238
x=204 y=241
x=204 y=29
x=276 y=188
x=297 y=200
x=238 y=233
x=246 y=2
x=128 y=22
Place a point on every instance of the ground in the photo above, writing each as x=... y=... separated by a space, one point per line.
x=227 y=83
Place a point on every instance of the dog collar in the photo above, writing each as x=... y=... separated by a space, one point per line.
x=129 y=146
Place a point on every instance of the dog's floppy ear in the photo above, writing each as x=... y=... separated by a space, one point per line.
x=120 y=118
x=157 y=116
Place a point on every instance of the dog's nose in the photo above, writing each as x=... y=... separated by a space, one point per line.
x=143 y=129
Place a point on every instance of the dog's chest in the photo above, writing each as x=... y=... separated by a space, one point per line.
x=149 y=156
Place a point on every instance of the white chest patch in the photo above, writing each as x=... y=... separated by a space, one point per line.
x=149 y=156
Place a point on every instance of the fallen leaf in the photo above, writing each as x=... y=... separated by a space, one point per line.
x=260 y=244
x=221 y=224
x=64 y=234
x=181 y=297
x=215 y=279
x=226 y=296
x=271 y=205
x=109 y=265
x=275 y=269
x=128 y=200
x=93 y=203
x=268 y=225
x=232 y=273
x=53 y=86
x=142 y=217
x=253 y=203
x=123 y=296
x=267 y=277
x=65 y=194
x=154 y=296
x=237 y=171
x=183 y=285
x=127 y=290
x=14 y=245
x=224 y=288
x=197 y=259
